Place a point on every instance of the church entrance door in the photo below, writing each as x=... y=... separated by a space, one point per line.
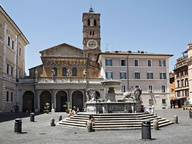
x=61 y=99
x=28 y=101
x=77 y=99
x=45 y=97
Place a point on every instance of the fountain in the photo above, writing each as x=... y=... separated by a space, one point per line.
x=131 y=102
x=110 y=114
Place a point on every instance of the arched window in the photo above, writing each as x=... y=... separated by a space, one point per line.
x=64 y=71
x=74 y=72
x=95 y=23
x=88 y=22
x=54 y=72
x=90 y=32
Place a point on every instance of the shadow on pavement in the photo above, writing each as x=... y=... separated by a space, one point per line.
x=11 y=116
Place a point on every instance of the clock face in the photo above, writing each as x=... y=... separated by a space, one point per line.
x=92 y=44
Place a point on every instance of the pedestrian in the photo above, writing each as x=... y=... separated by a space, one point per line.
x=153 y=108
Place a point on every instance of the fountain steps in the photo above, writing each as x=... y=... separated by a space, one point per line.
x=113 y=121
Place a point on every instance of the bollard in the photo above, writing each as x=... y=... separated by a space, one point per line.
x=32 y=117
x=175 y=119
x=146 y=130
x=155 y=124
x=18 y=125
x=60 y=117
x=52 y=122
x=190 y=113
x=89 y=126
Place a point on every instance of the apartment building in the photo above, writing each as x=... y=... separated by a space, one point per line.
x=148 y=71
x=181 y=80
x=172 y=90
x=12 y=60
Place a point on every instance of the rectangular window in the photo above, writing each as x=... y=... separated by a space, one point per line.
x=162 y=75
x=178 y=94
x=137 y=86
x=149 y=75
x=7 y=68
x=182 y=84
x=150 y=88
x=181 y=73
x=11 y=70
x=136 y=62
x=7 y=97
x=162 y=63
x=123 y=62
x=172 y=90
x=187 y=93
x=9 y=41
x=150 y=101
x=186 y=82
x=19 y=74
x=11 y=96
x=163 y=101
x=178 y=84
x=108 y=62
x=122 y=75
x=149 y=63
x=19 y=51
x=163 y=89
x=123 y=88
x=13 y=45
x=186 y=72
x=178 y=75
x=109 y=75
x=137 y=75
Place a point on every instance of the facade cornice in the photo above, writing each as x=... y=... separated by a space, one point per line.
x=14 y=25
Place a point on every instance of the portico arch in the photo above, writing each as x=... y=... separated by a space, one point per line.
x=45 y=97
x=28 y=101
x=77 y=99
x=61 y=99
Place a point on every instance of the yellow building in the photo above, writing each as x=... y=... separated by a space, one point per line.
x=66 y=72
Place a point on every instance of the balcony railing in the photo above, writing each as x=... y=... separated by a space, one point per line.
x=68 y=80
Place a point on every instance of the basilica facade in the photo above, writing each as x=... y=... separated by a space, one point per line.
x=66 y=72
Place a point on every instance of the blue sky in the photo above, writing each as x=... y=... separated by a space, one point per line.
x=156 y=26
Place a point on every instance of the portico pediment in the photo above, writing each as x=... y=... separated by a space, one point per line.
x=62 y=50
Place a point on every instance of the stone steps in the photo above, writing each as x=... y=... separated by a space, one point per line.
x=113 y=121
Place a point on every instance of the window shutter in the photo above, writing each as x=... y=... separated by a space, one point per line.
x=164 y=64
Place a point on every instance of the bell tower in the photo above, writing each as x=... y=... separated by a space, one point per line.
x=91 y=31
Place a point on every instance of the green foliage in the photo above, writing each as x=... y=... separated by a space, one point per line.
x=16 y=106
x=46 y=106
x=67 y=105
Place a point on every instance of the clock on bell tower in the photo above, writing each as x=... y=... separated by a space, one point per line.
x=91 y=31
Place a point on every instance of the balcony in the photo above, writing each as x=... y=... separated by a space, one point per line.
x=69 y=80
x=181 y=64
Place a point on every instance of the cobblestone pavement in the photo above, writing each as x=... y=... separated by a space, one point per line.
x=40 y=131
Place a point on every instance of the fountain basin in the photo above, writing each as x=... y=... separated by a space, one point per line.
x=114 y=107
x=111 y=83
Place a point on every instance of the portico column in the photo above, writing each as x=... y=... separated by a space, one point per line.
x=84 y=97
x=36 y=101
x=52 y=101
x=68 y=96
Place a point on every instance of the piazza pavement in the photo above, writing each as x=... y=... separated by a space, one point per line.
x=40 y=131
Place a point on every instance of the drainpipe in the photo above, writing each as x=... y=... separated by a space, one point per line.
x=127 y=74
